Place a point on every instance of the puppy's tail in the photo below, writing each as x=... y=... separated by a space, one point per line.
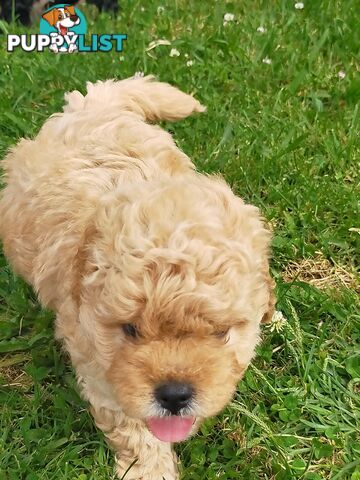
x=143 y=96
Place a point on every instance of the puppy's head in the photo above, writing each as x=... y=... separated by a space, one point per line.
x=175 y=287
x=65 y=17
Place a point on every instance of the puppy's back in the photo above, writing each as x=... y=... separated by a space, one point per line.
x=54 y=183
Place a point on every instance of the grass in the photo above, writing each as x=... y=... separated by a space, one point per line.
x=284 y=134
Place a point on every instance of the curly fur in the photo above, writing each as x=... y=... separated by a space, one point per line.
x=111 y=224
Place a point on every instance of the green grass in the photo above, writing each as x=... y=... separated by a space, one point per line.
x=285 y=137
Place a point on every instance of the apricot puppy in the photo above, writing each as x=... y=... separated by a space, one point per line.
x=158 y=274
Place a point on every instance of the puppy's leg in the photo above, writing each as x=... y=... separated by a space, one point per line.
x=134 y=444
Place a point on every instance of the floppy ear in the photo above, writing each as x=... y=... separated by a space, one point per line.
x=71 y=9
x=51 y=16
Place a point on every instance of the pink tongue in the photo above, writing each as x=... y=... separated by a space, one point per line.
x=170 y=429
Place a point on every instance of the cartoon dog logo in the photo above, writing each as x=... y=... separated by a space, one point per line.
x=62 y=18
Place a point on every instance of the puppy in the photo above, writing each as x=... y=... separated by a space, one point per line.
x=63 y=19
x=158 y=274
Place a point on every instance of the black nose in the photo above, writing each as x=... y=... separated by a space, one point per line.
x=74 y=18
x=174 y=396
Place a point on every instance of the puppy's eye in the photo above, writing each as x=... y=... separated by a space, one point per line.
x=130 y=330
x=222 y=334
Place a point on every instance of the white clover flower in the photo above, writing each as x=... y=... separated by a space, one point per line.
x=142 y=9
x=189 y=63
x=299 y=5
x=229 y=17
x=139 y=74
x=261 y=29
x=121 y=58
x=174 y=53
x=186 y=55
x=160 y=10
x=278 y=322
x=341 y=74
x=267 y=60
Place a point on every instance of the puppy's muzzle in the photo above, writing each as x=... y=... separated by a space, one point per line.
x=174 y=396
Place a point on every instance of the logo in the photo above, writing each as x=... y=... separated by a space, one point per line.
x=63 y=29
x=63 y=24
